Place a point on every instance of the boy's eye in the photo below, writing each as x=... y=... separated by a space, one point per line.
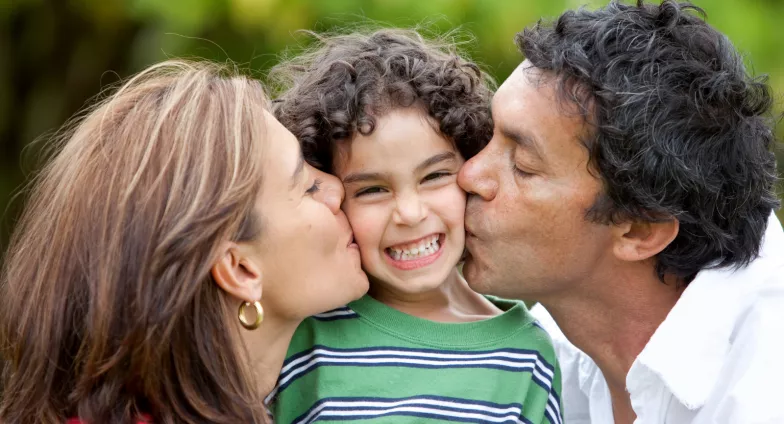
x=368 y=190
x=435 y=175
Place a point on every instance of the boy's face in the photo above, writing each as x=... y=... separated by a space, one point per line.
x=403 y=202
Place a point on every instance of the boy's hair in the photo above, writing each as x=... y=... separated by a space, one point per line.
x=346 y=82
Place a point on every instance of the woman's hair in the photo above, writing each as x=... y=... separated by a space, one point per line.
x=109 y=308
x=343 y=84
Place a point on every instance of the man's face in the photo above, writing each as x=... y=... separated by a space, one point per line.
x=527 y=235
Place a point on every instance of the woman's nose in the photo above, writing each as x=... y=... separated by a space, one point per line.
x=331 y=192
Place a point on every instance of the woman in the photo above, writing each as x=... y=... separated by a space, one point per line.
x=168 y=252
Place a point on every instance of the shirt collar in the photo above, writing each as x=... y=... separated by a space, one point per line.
x=689 y=348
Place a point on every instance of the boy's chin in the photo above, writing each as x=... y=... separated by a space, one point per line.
x=416 y=285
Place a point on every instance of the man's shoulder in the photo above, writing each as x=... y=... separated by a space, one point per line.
x=767 y=297
x=749 y=369
x=761 y=313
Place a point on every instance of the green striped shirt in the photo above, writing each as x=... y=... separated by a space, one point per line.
x=369 y=362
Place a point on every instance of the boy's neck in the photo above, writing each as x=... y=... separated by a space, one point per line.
x=452 y=301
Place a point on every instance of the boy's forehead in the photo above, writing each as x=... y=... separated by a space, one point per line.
x=399 y=144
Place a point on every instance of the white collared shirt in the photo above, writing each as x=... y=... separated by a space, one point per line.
x=718 y=357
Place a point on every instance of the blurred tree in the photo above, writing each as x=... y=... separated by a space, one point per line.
x=57 y=54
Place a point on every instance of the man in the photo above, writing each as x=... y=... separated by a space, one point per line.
x=628 y=188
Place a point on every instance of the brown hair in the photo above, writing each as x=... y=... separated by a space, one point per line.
x=109 y=309
x=344 y=82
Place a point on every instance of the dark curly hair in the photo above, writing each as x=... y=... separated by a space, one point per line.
x=679 y=128
x=341 y=86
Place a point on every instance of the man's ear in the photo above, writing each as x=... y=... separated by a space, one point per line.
x=641 y=240
x=237 y=273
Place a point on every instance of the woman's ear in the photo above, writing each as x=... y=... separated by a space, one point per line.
x=238 y=273
x=641 y=240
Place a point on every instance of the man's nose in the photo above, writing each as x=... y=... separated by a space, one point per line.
x=478 y=176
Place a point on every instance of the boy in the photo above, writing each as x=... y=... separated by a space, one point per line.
x=394 y=117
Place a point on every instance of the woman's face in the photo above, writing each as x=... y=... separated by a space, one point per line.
x=310 y=263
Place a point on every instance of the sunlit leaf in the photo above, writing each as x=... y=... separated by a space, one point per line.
x=188 y=16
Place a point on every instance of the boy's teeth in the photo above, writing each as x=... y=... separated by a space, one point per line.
x=426 y=247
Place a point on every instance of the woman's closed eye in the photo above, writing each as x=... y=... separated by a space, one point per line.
x=315 y=187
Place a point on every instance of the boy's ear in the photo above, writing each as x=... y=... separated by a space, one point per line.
x=237 y=273
x=640 y=240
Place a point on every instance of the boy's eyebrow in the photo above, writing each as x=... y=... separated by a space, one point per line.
x=375 y=176
x=441 y=157
x=362 y=176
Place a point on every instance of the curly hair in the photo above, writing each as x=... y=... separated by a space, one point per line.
x=679 y=128
x=340 y=87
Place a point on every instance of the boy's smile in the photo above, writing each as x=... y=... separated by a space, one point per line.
x=417 y=253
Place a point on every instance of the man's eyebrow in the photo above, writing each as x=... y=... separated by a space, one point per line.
x=441 y=157
x=295 y=177
x=524 y=140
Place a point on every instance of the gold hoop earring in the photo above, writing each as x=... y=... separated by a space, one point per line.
x=259 y=315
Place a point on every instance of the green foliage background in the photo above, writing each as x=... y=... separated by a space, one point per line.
x=57 y=54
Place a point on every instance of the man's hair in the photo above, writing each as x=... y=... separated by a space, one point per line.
x=345 y=83
x=678 y=127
